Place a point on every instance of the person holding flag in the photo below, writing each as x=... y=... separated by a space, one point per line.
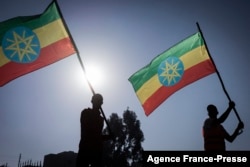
x=214 y=133
x=180 y=65
x=91 y=143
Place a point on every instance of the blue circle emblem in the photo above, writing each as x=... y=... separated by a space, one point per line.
x=170 y=71
x=21 y=45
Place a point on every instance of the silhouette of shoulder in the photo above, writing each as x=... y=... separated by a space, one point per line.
x=90 y=117
x=86 y=110
x=210 y=123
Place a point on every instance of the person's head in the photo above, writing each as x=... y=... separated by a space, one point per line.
x=212 y=111
x=97 y=100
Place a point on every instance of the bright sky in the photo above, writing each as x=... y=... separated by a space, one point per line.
x=40 y=112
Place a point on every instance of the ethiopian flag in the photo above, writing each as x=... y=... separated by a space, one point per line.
x=29 y=43
x=182 y=64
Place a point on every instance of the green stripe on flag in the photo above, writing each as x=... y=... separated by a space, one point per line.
x=33 y=22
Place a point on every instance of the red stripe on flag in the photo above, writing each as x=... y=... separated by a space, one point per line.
x=190 y=75
x=48 y=55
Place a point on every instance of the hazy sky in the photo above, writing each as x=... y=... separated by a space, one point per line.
x=40 y=112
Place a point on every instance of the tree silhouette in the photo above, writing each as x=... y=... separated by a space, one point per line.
x=126 y=149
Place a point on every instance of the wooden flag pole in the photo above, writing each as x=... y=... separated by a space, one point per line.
x=81 y=63
x=218 y=74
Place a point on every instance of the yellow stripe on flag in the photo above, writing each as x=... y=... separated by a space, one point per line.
x=53 y=32
x=189 y=59
x=47 y=35
x=3 y=59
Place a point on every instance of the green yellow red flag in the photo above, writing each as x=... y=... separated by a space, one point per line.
x=28 y=43
x=180 y=65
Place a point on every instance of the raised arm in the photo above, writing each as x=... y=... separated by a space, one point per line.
x=224 y=116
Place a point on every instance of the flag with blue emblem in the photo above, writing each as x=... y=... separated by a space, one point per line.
x=182 y=64
x=29 y=43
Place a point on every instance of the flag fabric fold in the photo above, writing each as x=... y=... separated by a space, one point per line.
x=180 y=65
x=28 y=43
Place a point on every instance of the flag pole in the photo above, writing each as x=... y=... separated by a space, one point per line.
x=218 y=74
x=80 y=61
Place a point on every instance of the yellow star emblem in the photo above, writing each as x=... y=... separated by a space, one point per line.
x=21 y=45
x=170 y=71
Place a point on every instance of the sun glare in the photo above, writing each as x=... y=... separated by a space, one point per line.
x=95 y=75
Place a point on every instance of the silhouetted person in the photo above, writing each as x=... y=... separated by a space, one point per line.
x=214 y=133
x=91 y=143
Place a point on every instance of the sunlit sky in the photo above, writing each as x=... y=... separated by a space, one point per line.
x=40 y=112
